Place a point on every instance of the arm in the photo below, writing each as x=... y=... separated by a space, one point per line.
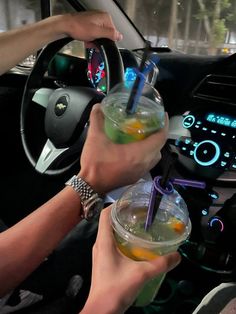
x=16 y=45
x=116 y=279
x=24 y=246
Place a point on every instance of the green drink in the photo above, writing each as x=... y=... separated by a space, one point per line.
x=148 y=118
x=170 y=228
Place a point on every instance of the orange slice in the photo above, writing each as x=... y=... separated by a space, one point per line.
x=177 y=225
x=132 y=127
x=142 y=254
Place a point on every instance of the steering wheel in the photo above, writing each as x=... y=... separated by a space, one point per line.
x=66 y=110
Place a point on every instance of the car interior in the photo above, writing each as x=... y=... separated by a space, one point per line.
x=41 y=152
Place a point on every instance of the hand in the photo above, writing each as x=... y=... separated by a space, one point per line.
x=106 y=165
x=90 y=25
x=116 y=279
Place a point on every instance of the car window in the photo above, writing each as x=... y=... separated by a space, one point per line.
x=203 y=27
x=18 y=13
x=15 y=14
x=74 y=48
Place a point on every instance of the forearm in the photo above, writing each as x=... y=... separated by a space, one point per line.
x=16 y=45
x=37 y=235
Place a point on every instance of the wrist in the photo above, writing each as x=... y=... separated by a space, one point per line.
x=91 y=201
x=100 y=305
x=92 y=178
x=64 y=24
x=57 y=26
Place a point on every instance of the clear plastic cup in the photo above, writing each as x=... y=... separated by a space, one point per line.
x=122 y=127
x=169 y=230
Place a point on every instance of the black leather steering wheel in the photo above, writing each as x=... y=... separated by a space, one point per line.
x=66 y=110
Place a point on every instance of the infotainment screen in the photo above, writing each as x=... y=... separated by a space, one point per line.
x=225 y=120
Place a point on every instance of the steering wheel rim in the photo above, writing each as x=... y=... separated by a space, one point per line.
x=53 y=150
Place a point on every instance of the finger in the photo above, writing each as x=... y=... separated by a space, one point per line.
x=107 y=32
x=105 y=234
x=96 y=120
x=108 y=19
x=165 y=263
x=115 y=34
x=112 y=34
x=156 y=140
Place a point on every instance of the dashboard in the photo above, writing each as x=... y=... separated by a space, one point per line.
x=96 y=72
x=204 y=137
x=207 y=138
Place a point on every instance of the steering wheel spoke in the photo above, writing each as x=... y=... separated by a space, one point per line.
x=42 y=95
x=48 y=155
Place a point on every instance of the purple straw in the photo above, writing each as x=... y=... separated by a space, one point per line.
x=192 y=183
x=158 y=191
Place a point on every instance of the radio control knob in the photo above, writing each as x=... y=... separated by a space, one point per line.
x=206 y=153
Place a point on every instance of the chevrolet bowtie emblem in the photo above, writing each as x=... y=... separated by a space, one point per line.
x=61 y=106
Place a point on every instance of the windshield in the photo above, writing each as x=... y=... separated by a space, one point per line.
x=203 y=27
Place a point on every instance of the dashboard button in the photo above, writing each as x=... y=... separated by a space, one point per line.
x=188 y=121
x=206 y=153
x=216 y=224
x=233 y=166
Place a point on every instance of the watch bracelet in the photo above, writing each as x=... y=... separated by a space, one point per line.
x=87 y=195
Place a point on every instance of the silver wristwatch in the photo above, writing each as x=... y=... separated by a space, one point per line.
x=91 y=202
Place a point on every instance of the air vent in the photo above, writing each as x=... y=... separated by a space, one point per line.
x=217 y=88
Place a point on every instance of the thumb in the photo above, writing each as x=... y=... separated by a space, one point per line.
x=157 y=139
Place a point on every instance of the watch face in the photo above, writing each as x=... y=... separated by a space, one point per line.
x=93 y=208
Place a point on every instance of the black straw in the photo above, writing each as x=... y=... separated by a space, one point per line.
x=164 y=182
x=131 y=104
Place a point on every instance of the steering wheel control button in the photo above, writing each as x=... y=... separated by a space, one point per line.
x=188 y=121
x=206 y=153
